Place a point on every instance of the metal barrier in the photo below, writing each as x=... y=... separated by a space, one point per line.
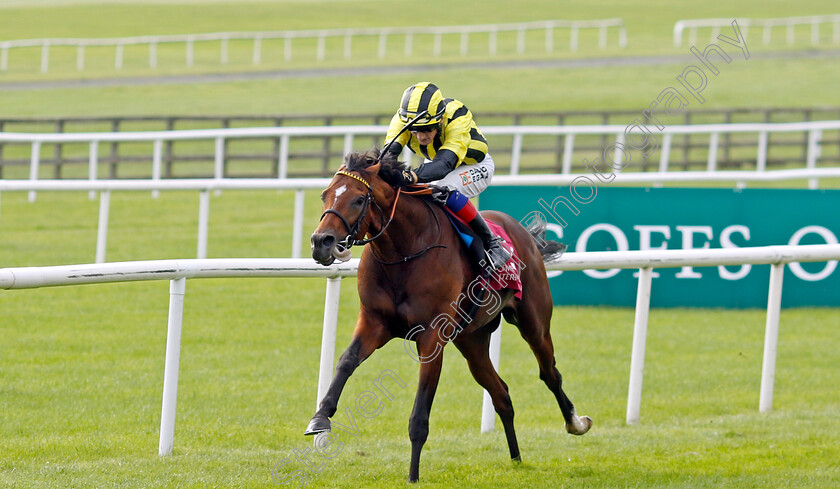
x=178 y=271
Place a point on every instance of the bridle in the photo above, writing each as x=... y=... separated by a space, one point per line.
x=352 y=230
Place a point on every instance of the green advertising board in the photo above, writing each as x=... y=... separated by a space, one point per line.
x=620 y=218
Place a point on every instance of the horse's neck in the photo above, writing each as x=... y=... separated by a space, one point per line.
x=413 y=228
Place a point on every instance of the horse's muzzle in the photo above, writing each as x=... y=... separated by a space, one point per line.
x=323 y=246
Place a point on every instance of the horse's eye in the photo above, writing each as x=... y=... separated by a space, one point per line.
x=359 y=201
x=323 y=197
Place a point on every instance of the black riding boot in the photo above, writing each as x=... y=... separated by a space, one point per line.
x=497 y=253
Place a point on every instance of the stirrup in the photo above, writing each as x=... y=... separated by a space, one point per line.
x=497 y=254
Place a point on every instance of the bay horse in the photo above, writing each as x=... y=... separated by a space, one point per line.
x=413 y=270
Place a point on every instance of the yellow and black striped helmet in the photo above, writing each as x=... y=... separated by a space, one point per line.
x=419 y=98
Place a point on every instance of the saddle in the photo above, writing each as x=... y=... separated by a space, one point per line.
x=506 y=278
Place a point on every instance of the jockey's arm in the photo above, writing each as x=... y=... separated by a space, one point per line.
x=451 y=153
x=445 y=161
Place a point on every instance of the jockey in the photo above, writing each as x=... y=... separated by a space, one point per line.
x=455 y=154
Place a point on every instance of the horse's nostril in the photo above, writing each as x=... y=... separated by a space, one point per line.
x=328 y=241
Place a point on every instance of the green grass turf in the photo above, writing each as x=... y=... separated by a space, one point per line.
x=649 y=30
x=81 y=368
x=82 y=389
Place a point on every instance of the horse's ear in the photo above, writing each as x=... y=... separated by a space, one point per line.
x=373 y=168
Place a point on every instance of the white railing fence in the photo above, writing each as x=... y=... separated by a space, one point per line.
x=283 y=135
x=321 y=36
x=178 y=271
x=103 y=188
x=812 y=130
x=767 y=25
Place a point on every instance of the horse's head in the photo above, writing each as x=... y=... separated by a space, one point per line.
x=356 y=187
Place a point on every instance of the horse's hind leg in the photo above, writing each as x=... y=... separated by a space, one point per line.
x=475 y=348
x=534 y=328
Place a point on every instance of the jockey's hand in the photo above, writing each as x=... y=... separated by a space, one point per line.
x=401 y=179
x=409 y=177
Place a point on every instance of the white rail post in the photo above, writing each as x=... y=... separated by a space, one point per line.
x=256 y=56
x=321 y=51
x=157 y=164
x=80 y=57
x=409 y=44
x=637 y=358
x=568 y=149
x=436 y=44
x=102 y=228
x=4 y=58
x=177 y=289
x=811 y=158
x=348 y=143
x=34 y=163
x=153 y=54
x=573 y=38
x=93 y=163
x=348 y=46
x=297 y=227
x=223 y=51
x=325 y=371
x=771 y=337
x=283 y=157
x=516 y=154
x=711 y=162
x=618 y=156
x=203 y=222
x=664 y=156
x=219 y=159
x=45 y=56
x=190 y=51
x=493 y=42
x=678 y=31
x=383 y=41
x=118 y=56
x=488 y=412
x=549 y=38
x=761 y=158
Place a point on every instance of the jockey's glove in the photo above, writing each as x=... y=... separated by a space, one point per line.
x=409 y=177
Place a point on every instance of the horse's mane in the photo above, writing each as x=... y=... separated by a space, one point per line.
x=389 y=167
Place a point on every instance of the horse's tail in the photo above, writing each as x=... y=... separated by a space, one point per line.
x=549 y=250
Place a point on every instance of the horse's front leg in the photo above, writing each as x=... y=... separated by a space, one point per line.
x=367 y=337
x=431 y=358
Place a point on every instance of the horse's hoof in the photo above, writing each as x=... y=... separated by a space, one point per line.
x=580 y=426
x=318 y=424
x=517 y=459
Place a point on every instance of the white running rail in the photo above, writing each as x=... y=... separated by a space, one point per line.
x=320 y=36
x=814 y=131
x=178 y=271
x=767 y=25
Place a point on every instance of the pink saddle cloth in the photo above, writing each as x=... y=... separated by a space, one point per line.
x=509 y=276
